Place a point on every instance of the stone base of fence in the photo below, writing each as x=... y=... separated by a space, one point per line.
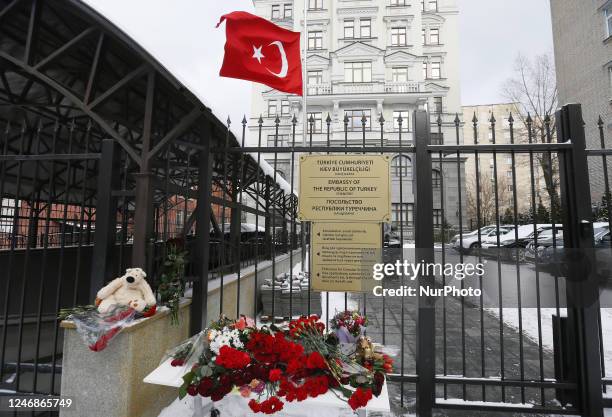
x=109 y=383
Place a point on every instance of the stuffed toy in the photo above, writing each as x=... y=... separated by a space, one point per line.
x=130 y=290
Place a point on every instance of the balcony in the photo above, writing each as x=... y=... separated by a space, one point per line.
x=325 y=89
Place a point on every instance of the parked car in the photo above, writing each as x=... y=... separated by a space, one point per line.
x=551 y=257
x=469 y=243
x=454 y=242
x=514 y=239
x=546 y=238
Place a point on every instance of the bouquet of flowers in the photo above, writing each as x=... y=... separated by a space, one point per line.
x=272 y=365
x=348 y=325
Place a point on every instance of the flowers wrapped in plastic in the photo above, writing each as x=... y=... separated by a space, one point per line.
x=272 y=365
x=97 y=329
x=348 y=325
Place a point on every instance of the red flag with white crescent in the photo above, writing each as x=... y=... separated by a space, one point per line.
x=258 y=50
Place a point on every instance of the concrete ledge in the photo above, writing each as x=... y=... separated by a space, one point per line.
x=109 y=383
x=248 y=278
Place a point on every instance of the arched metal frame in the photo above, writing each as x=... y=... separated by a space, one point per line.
x=74 y=87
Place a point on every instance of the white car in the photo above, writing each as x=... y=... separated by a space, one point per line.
x=514 y=237
x=455 y=240
x=472 y=242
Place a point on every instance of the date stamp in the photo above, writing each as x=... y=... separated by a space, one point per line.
x=34 y=403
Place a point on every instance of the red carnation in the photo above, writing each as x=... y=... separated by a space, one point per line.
x=294 y=366
x=275 y=375
x=205 y=386
x=231 y=358
x=271 y=405
x=192 y=390
x=316 y=361
x=255 y=406
x=360 y=398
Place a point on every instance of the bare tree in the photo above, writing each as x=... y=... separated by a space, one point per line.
x=490 y=202
x=534 y=89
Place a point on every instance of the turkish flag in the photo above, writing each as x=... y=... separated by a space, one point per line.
x=258 y=50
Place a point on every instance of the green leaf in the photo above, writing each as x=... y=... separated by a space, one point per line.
x=188 y=377
x=183 y=391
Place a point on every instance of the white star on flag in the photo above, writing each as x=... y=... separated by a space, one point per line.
x=257 y=53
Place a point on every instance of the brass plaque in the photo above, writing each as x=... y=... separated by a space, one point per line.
x=343 y=255
x=345 y=188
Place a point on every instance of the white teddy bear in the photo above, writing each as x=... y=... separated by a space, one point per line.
x=130 y=290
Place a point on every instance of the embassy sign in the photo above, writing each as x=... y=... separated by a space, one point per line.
x=345 y=188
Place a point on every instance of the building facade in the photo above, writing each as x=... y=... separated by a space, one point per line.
x=478 y=129
x=366 y=59
x=582 y=33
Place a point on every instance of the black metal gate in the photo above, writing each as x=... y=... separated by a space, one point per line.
x=105 y=157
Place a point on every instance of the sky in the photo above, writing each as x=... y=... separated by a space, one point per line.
x=181 y=34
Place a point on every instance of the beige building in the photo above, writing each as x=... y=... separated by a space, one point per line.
x=582 y=33
x=499 y=166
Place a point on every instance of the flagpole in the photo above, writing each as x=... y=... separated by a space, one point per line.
x=304 y=74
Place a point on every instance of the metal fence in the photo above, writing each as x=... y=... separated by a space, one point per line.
x=105 y=158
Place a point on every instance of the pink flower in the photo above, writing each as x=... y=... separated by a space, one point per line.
x=245 y=391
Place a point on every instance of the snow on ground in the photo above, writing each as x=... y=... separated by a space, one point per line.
x=235 y=406
x=529 y=321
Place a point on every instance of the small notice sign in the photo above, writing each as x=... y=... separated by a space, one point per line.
x=345 y=188
x=343 y=255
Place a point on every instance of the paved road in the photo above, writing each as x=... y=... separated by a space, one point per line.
x=470 y=341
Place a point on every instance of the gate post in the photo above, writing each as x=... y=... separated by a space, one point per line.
x=582 y=293
x=426 y=330
x=106 y=217
x=199 y=304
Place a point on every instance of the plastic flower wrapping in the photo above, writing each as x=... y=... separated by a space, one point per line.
x=271 y=365
x=348 y=325
x=98 y=329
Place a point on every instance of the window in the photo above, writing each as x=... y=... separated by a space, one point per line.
x=437 y=105
x=399 y=74
x=349 y=29
x=354 y=119
x=405 y=115
x=280 y=140
x=288 y=11
x=510 y=188
x=398 y=36
x=509 y=160
x=401 y=166
x=275 y=11
x=436 y=179
x=315 y=40
x=423 y=5
x=424 y=41
x=285 y=107
x=358 y=72
x=437 y=138
x=434 y=36
x=180 y=218
x=425 y=70
x=437 y=218
x=435 y=70
x=365 y=28
x=402 y=215
x=272 y=108
x=315 y=4
x=608 y=16
x=317 y=127
x=433 y=5
x=315 y=77
x=398 y=2
x=509 y=174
